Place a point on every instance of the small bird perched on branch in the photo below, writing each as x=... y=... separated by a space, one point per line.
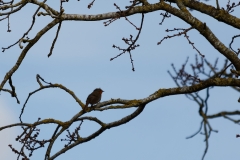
x=94 y=97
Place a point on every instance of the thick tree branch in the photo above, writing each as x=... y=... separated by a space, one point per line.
x=216 y=13
x=188 y=18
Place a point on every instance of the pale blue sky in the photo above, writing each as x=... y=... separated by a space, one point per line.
x=80 y=61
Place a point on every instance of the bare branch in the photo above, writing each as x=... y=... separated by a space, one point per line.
x=102 y=129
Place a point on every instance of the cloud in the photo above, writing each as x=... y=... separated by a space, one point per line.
x=7 y=136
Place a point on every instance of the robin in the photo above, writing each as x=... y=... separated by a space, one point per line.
x=94 y=97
